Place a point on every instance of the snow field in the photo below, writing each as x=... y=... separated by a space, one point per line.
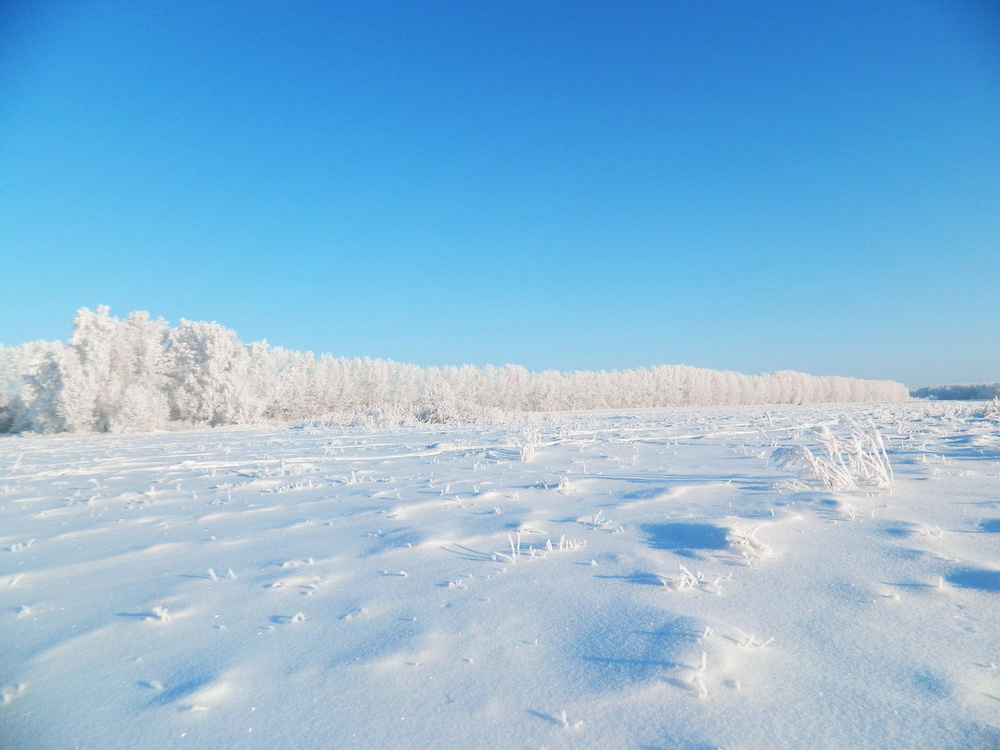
x=650 y=579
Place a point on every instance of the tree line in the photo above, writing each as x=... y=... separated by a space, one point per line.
x=139 y=374
x=959 y=392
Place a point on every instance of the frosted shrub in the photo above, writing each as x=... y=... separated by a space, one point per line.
x=859 y=460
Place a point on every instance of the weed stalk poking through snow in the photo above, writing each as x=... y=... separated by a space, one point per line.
x=529 y=445
x=748 y=545
x=860 y=460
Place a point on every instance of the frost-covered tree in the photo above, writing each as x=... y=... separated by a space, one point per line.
x=140 y=374
x=43 y=394
x=209 y=376
x=18 y=393
x=114 y=374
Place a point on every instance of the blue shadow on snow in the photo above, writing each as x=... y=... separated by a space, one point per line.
x=680 y=536
x=976 y=578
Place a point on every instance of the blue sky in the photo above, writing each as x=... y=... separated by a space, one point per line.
x=563 y=185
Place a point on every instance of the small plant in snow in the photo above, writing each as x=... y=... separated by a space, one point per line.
x=566 y=723
x=160 y=614
x=686 y=580
x=528 y=445
x=599 y=522
x=517 y=552
x=859 y=460
x=748 y=545
x=515 y=549
x=563 y=544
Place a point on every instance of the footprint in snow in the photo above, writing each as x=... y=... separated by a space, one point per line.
x=288 y=619
x=157 y=614
x=562 y=720
x=199 y=694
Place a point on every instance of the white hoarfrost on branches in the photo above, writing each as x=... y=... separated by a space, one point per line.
x=139 y=374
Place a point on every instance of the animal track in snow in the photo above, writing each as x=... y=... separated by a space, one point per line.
x=354 y=613
x=197 y=694
x=304 y=585
x=289 y=619
x=913 y=529
x=560 y=720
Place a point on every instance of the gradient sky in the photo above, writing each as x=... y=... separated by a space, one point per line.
x=738 y=185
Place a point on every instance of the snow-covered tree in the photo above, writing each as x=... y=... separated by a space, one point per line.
x=209 y=376
x=140 y=374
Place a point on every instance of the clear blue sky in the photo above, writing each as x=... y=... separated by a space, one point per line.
x=738 y=185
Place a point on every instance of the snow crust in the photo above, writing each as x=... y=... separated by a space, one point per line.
x=634 y=580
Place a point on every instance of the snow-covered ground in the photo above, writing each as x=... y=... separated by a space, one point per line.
x=641 y=580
